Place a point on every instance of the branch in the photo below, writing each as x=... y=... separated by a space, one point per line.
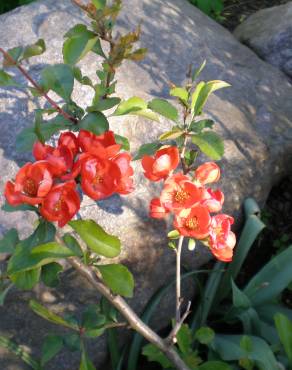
x=8 y=57
x=135 y=322
x=172 y=335
x=178 y=279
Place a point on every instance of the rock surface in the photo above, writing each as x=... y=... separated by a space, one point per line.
x=254 y=117
x=269 y=33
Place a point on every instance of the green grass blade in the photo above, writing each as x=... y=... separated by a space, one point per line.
x=112 y=342
x=252 y=228
x=20 y=352
x=271 y=280
x=203 y=309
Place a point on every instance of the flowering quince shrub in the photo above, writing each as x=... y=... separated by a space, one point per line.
x=90 y=159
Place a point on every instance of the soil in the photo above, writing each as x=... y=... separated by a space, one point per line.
x=236 y=11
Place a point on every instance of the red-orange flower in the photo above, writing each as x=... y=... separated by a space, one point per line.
x=69 y=140
x=60 y=158
x=32 y=183
x=178 y=193
x=193 y=222
x=164 y=162
x=99 y=177
x=102 y=146
x=213 y=199
x=125 y=184
x=156 y=209
x=61 y=203
x=222 y=240
x=207 y=173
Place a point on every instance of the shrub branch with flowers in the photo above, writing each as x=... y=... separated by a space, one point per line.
x=91 y=159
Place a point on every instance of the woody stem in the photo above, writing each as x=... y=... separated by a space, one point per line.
x=67 y=116
x=178 y=280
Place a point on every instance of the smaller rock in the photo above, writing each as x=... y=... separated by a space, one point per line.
x=269 y=33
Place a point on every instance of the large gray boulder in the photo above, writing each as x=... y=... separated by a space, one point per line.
x=254 y=116
x=269 y=33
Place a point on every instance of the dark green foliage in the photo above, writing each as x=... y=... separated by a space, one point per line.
x=5 y=5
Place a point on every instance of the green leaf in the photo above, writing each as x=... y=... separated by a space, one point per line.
x=228 y=347
x=15 y=54
x=123 y=141
x=138 y=54
x=198 y=71
x=154 y=354
x=86 y=364
x=271 y=280
x=118 y=278
x=7 y=80
x=146 y=113
x=240 y=300
x=284 y=329
x=50 y=316
x=180 y=93
x=60 y=79
x=164 y=108
x=205 y=335
x=51 y=347
x=170 y=135
x=37 y=127
x=214 y=365
x=252 y=227
x=99 y=4
x=37 y=48
x=24 y=259
x=131 y=105
x=4 y=293
x=195 y=96
x=104 y=104
x=26 y=280
x=72 y=342
x=210 y=144
x=147 y=149
x=184 y=339
x=246 y=343
x=96 y=238
x=27 y=137
x=19 y=351
x=199 y=126
x=79 y=42
x=207 y=301
x=23 y=207
x=9 y=241
x=92 y=318
x=50 y=274
x=73 y=244
x=201 y=95
x=95 y=122
x=84 y=80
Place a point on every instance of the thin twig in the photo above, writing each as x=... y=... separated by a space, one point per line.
x=178 y=279
x=172 y=335
x=38 y=88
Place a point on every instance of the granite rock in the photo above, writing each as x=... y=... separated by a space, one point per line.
x=254 y=117
x=269 y=33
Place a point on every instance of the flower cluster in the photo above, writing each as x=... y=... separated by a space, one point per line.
x=191 y=202
x=51 y=182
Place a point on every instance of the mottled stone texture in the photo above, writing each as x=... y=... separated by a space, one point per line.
x=254 y=116
x=269 y=33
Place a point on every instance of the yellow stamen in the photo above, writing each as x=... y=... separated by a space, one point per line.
x=181 y=196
